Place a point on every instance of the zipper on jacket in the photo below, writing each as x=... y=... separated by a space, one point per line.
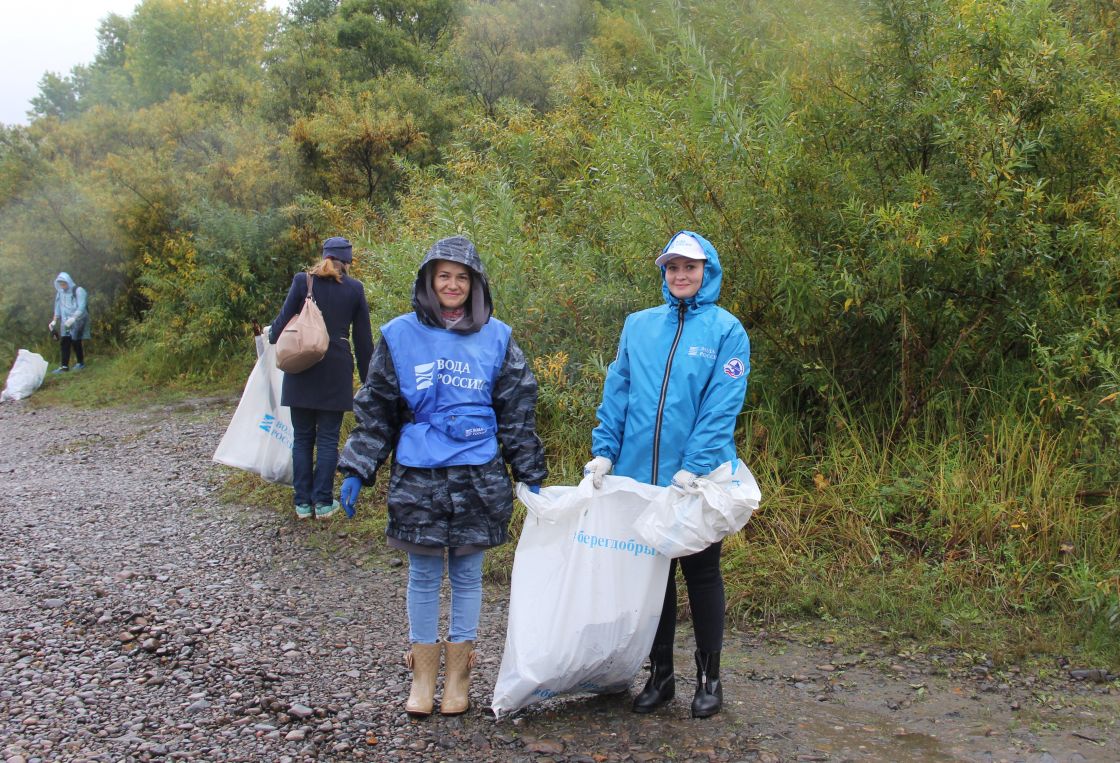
x=665 y=390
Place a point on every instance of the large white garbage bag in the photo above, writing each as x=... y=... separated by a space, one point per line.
x=585 y=597
x=26 y=375
x=259 y=437
x=682 y=521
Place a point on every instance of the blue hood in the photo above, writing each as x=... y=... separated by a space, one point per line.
x=65 y=278
x=713 y=275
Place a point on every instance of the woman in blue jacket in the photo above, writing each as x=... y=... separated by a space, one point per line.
x=452 y=400
x=670 y=402
x=320 y=395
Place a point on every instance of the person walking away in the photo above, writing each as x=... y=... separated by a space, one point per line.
x=320 y=395
x=670 y=401
x=70 y=321
x=452 y=399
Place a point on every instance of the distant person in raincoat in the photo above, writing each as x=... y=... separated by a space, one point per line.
x=320 y=395
x=451 y=398
x=670 y=402
x=70 y=322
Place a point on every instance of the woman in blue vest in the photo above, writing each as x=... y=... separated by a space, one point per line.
x=452 y=399
x=320 y=395
x=670 y=401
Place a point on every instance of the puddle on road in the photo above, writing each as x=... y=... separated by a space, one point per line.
x=831 y=732
x=870 y=742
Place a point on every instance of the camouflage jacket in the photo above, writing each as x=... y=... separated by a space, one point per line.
x=456 y=505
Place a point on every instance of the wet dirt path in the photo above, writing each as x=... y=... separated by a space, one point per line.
x=141 y=618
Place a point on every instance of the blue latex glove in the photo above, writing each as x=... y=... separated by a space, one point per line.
x=348 y=496
x=535 y=489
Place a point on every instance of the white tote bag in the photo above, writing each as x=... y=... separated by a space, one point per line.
x=681 y=521
x=25 y=377
x=585 y=597
x=259 y=437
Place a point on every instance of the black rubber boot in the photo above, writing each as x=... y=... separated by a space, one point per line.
x=661 y=685
x=709 y=691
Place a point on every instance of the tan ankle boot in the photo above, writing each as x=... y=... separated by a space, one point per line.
x=423 y=661
x=457 y=677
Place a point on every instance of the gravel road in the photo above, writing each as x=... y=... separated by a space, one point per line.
x=141 y=618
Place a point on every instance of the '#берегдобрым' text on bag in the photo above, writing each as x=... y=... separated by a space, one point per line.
x=585 y=596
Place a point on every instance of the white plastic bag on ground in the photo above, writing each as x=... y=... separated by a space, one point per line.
x=585 y=597
x=259 y=437
x=681 y=521
x=26 y=375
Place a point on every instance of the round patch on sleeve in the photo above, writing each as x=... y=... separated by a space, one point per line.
x=734 y=368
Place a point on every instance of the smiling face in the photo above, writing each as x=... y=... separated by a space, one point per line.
x=683 y=276
x=452 y=284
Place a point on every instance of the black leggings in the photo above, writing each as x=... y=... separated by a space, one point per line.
x=705 y=598
x=77 y=343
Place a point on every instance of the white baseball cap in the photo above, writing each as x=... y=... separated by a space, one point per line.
x=682 y=245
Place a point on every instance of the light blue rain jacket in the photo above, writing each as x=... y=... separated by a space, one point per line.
x=70 y=303
x=674 y=391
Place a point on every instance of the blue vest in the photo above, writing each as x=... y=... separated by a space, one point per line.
x=447 y=379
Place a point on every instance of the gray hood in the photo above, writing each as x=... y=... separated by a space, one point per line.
x=479 y=305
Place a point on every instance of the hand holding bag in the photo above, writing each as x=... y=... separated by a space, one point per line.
x=304 y=341
x=685 y=520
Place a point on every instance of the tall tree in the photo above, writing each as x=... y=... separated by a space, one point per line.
x=58 y=97
x=353 y=145
x=395 y=33
x=171 y=43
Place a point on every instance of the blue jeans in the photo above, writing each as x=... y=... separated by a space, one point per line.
x=425 y=574
x=314 y=454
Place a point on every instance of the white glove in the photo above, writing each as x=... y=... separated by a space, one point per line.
x=598 y=468
x=68 y=323
x=684 y=479
x=50 y=326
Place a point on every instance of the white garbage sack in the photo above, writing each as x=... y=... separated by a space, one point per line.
x=26 y=375
x=259 y=437
x=682 y=521
x=585 y=597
